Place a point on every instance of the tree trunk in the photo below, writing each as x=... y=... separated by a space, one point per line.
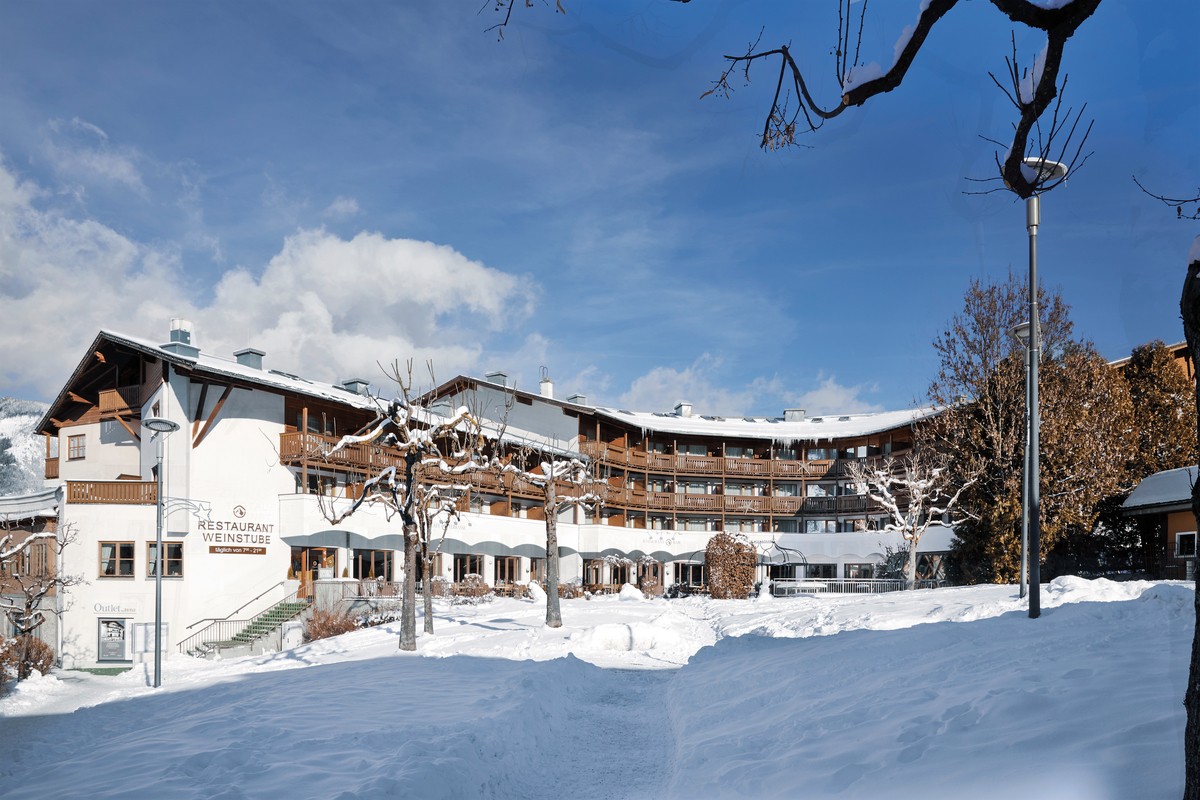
x=910 y=566
x=1189 y=307
x=553 y=613
x=408 y=614
x=427 y=589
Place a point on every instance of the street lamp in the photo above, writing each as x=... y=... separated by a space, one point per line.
x=1021 y=333
x=162 y=428
x=1044 y=171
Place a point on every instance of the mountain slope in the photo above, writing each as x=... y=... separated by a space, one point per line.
x=21 y=450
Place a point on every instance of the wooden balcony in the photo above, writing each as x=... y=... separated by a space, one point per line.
x=51 y=468
x=698 y=502
x=747 y=466
x=786 y=505
x=296 y=448
x=747 y=504
x=718 y=466
x=124 y=493
x=122 y=401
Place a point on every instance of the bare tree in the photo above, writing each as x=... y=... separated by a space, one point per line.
x=915 y=491
x=437 y=509
x=425 y=449
x=566 y=482
x=1033 y=91
x=1185 y=207
x=29 y=574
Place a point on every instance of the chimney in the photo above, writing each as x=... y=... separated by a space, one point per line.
x=181 y=330
x=356 y=385
x=250 y=357
x=180 y=342
x=683 y=409
x=497 y=377
x=793 y=415
x=547 y=385
x=578 y=399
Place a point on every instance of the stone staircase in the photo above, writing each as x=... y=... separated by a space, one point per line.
x=254 y=629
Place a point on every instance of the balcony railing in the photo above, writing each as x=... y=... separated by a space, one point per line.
x=295 y=448
x=126 y=493
x=669 y=463
x=51 y=468
x=122 y=400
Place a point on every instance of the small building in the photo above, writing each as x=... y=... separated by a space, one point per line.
x=25 y=564
x=1163 y=503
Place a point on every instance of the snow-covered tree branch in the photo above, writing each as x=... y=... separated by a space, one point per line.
x=29 y=576
x=915 y=492
x=566 y=482
x=430 y=455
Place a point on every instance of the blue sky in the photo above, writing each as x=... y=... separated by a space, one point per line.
x=341 y=184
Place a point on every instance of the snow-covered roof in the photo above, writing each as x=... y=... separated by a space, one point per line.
x=1172 y=487
x=230 y=368
x=29 y=506
x=207 y=364
x=810 y=429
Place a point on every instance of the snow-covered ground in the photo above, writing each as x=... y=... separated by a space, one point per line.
x=948 y=693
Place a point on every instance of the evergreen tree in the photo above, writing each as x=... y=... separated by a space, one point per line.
x=1163 y=405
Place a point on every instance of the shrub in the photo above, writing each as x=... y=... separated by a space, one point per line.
x=322 y=624
x=20 y=657
x=472 y=589
x=571 y=590
x=440 y=586
x=730 y=561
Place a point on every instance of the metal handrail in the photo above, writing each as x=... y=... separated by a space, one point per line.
x=228 y=628
x=236 y=610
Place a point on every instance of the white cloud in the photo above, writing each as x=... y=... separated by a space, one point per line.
x=708 y=390
x=341 y=208
x=324 y=306
x=830 y=397
x=662 y=387
x=81 y=150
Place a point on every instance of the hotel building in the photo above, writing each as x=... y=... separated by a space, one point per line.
x=244 y=533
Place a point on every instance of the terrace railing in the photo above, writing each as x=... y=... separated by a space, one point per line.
x=126 y=493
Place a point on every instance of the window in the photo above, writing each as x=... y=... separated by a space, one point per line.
x=787 y=525
x=507 y=569
x=820 y=526
x=822 y=571
x=739 y=452
x=781 y=572
x=859 y=571
x=76 y=447
x=172 y=559
x=465 y=565
x=116 y=559
x=1185 y=545
x=816 y=454
x=656 y=447
x=690 y=574
x=786 y=490
x=816 y=490
x=537 y=570
x=691 y=449
x=375 y=564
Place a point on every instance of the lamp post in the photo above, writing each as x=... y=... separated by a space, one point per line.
x=1021 y=333
x=162 y=428
x=1045 y=171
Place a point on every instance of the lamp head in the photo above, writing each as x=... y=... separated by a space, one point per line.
x=160 y=425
